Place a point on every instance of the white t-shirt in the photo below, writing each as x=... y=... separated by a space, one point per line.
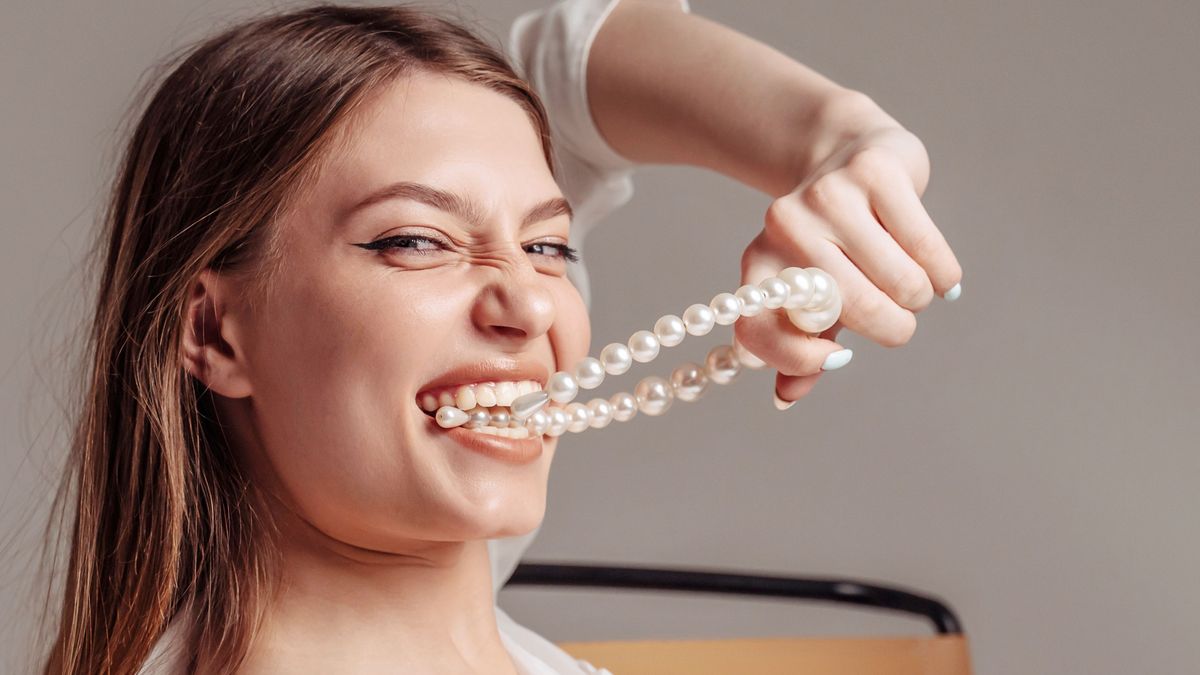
x=549 y=49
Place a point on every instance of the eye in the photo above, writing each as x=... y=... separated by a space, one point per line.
x=409 y=242
x=561 y=250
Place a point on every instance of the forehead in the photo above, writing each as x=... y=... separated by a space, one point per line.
x=442 y=131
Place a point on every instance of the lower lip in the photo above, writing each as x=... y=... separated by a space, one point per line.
x=512 y=450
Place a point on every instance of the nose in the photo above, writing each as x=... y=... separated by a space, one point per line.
x=515 y=308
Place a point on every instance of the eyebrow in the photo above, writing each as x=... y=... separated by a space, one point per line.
x=463 y=208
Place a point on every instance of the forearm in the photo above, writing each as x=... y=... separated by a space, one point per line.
x=666 y=87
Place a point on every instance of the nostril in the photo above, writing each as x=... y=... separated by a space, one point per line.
x=510 y=331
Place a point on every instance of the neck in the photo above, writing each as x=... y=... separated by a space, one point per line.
x=341 y=608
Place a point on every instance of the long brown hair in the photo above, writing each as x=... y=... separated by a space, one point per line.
x=157 y=517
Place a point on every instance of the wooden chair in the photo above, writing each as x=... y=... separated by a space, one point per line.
x=944 y=653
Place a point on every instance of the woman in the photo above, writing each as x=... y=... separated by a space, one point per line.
x=321 y=217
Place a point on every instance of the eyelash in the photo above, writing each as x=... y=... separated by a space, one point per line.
x=388 y=243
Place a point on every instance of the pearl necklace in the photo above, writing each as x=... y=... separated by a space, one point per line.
x=809 y=296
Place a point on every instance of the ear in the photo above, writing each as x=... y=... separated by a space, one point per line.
x=211 y=349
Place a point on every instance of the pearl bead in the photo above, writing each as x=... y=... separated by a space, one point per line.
x=578 y=417
x=670 y=330
x=689 y=382
x=747 y=358
x=699 y=319
x=562 y=387
x=589 y=373
x=721 y=364
x=654 y=395
x=824 y=289
x=776 y=290
x=624 y=406
x=500 y=419
x=525 y=405
x=752 y=298
x=602 y=412
x=644 y=346
x=726 y=308
x=616 y=358
x=800 y=287
x=449 y=417
x=817 y=321
x=479 y=418
x=538 y=423
x=558 y=422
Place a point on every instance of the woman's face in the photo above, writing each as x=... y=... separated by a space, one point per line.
x=350 y=339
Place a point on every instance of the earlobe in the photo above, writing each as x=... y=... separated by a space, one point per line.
x=210 y=349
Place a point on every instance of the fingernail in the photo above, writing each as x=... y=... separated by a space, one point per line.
x=837 y=359
x=952 y=294
x=781 y=404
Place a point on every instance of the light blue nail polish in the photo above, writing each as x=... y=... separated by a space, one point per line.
x=953 y=293
x=837 y=359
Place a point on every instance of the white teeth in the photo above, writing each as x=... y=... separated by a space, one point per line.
x=429 y=402
x=485 y=395
x=505 y=393
x=464 y=398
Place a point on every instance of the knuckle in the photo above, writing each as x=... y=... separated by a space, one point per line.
x=823 y=195
x=912 y=290
x=902 y=334
x=871 y=166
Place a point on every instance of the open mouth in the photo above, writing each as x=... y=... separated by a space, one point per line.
x=493 y=398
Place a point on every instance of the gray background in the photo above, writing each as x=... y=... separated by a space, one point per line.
x=1030 y=456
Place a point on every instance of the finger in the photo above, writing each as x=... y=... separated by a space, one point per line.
x=866 y=310
x=789 y=388
x=904 y=216
x=771 y=336
x=880 y=257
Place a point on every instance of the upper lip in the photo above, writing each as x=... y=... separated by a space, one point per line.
x=490 y=371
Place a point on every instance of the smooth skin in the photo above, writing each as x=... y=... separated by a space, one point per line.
x=845 y=178
x=384 y=520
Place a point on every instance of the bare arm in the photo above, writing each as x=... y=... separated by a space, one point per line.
x=668 y=87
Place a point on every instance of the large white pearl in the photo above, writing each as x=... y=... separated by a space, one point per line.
x=449 y=417
x=579 y=417
x=752 y=298
x=558 y=422
x=500 y=419
x=824 y=289
x=817 y=321
x=699 y=319
x=624 y=406
x=616 y=358
x=644 y=346
x=726 y=308
x=721 y=364
x=653 y=395
x=538 y=423
x=800 y=287
x=602 y=412
x=589 y=373
x=562 y=387
x=689 y=382
x=776 y=290
x=670 y=330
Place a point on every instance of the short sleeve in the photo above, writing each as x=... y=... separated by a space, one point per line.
x=549 y=48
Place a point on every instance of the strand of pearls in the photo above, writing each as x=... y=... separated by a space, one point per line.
x=808 y=295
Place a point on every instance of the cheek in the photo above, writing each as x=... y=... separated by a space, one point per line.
x=571 y=334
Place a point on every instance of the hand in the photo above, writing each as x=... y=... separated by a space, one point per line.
x=859 y=217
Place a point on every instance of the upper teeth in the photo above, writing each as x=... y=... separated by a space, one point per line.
x=486 y=394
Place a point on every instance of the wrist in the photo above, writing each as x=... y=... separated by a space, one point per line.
x=841 y=118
